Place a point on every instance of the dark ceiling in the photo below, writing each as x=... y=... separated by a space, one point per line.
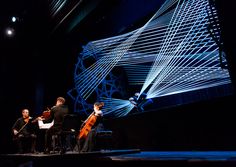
x=43 y=24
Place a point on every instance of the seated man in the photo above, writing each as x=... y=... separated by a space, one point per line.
x=24 y=133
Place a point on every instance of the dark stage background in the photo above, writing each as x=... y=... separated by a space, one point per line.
x=37 y=66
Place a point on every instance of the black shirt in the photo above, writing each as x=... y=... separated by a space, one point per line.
x=57 y=114
x=27 y=130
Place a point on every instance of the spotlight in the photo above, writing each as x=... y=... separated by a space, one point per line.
x=10 y=32
x=13 y=19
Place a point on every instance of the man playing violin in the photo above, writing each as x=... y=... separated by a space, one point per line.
x=24 y=132
x=57 y=114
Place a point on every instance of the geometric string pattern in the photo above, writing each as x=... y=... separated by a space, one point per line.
x=111 y=85
x=189 y=57
x=173 y=52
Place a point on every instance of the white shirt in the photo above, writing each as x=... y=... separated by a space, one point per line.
x=98 y=112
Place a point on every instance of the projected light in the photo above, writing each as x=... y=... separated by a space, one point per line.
x=174 y=52
x=110 y=86
x=56 y=6
x=116 y=107
x=89 y=79
x=195 y=58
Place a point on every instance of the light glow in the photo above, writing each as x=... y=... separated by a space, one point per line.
x=172 y=53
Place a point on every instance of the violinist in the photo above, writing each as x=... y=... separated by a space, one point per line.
x=57 y=114
x=24 y=133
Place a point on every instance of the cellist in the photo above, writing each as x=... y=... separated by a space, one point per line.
x=88 y=141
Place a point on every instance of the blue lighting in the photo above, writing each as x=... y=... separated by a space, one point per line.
x=172 y=53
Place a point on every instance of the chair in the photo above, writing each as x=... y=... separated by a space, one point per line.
x=65 y=140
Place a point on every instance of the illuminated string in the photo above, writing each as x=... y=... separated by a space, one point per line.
x=89 y=79
x=92 y=77
x=116 y=107
x=172 y=53
x=57 y=5
x=169 y=36
x=154 y=91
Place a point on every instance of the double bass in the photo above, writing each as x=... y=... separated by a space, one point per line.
x=87 y=126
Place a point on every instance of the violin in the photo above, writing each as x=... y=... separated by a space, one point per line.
x=26 y=120
x=45 y=115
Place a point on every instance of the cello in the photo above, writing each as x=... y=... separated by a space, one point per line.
x=87 y=126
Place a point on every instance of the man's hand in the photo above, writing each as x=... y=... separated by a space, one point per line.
x=15 y=132
x=40 y=118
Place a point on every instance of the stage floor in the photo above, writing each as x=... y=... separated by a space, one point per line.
x=132 y=157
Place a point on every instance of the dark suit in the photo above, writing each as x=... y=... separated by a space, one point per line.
x=57 y=114
x=89 y=142
x=26 y=134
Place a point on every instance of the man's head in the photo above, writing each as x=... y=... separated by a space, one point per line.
x=25 y=113
x=60 y=100
x=98 y=105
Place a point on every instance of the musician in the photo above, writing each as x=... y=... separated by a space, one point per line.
x=88 y=143
x=24 y=132
x=57 y=114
